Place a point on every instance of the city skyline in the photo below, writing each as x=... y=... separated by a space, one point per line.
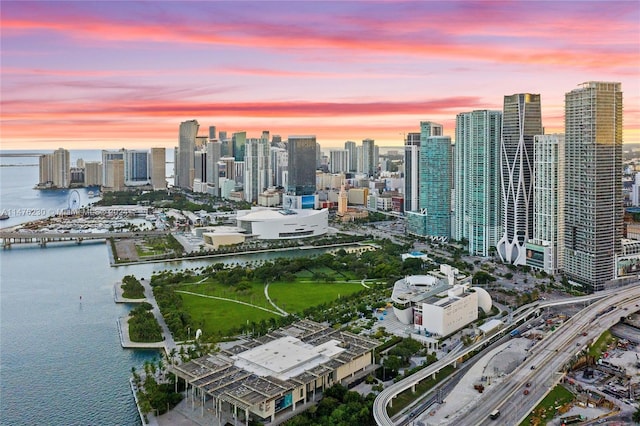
x=127 y=74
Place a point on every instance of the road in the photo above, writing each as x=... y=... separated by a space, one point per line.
x=542 y=367
x=386 y=396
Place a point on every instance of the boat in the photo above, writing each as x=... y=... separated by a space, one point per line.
x=91 y=194
x=4 y=216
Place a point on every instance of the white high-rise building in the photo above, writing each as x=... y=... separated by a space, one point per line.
x=545 y=249
x=339 y=161
x=137 y=167
x=521 y=121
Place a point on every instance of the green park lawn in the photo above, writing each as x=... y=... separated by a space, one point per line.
x=254 y=294
x=299 y=295
x=219 y=317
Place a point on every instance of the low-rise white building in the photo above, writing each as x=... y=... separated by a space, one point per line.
x=439 y=303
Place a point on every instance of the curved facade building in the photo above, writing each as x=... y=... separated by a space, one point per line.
x=276 y=224
x=521 y=121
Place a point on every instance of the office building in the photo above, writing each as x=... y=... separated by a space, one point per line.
x=279 y=163
x=213 y=173
x=301 y=168
x=137 y=167
x=593 y=183
x=238 y=141
x=545 y=248
x=369 y=164
x=350 y=146
x=521 y=121
x=185 y=160
x=478 y=213
x=92 y=173
x=158 y=168
x=339 y=161
x=114 y=178
x=200 y=170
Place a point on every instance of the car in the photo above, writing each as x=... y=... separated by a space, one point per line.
x=528 y=384
x=526 y=392
x=533 y=367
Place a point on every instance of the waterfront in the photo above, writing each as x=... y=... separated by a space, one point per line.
x=61 y=362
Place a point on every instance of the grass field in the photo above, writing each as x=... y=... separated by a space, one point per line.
x=219 y=317
x=545 y=411
x=601 y=344
x=298 y=295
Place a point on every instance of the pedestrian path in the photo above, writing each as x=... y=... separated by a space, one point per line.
x=233 y=301
x=266 y=294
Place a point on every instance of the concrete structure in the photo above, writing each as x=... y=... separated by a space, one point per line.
x=358 y=196
x=272 y=224
x=276 y=374
x=545 y=249
x=213 y=149
x=412 y=172
x=270 y=198
x=477 y=216
x=158 y=158
x=110 y=155
x=114 y=178
x=184 y=161
x=593 y=180
x=302 y=165
x=521 y=121
x=439 y=303
x=223 y=236
x=93 y=173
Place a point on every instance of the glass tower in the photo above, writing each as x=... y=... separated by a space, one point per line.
x=593 y=183
x=477 y=180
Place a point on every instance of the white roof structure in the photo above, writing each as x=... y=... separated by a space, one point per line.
x=491 y=325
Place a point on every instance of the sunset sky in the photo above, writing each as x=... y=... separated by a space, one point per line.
x=112 y=74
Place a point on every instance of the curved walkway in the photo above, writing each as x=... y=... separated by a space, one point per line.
x=231 y=300
x=266 y=294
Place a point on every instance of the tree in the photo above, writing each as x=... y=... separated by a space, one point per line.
x=636 y=416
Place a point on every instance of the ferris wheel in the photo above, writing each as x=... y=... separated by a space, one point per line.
x=73 y=200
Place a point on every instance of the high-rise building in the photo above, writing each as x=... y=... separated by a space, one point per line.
x=279 y=163
x=137 y=167
x=593 y=183
x=476 y=173
x=411 y=172
x=353 y=157
x=213 y=173
x=521 y=121
x=302 y=161
x=369 y=165
x=61 y=168
x=238 y=141
x=265 y=168
x=339 y=161
x=114 y=177
x=158 y=168
x=108 y=155
x=435 y=185
x=45 y=163
x=92 y=173
x=200 y=170
x=545 y=248
x=185 y=161
x=251 y=173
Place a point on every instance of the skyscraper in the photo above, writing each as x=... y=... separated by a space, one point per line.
x=158 y=168
x=339 y=161
x=521 y=121
x=238 y=141
x=302 y=162
x=411 y=172
x=185 y=163
x=251 y=170
x=137 y=167
x=369 y=166
x=477 y=180
x=353 y=157
x=593 y=183
x=107 y=156
x=544 y=249
x=213 y=173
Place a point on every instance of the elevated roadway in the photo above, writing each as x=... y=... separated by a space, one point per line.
x=42 y=238
x=385 y=398
x=546 y=362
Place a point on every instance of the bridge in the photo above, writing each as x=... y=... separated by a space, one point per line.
x=22 y=154
x=385 y=398
x=42 y=238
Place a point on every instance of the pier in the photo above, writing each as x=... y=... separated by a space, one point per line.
x=42 y=238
